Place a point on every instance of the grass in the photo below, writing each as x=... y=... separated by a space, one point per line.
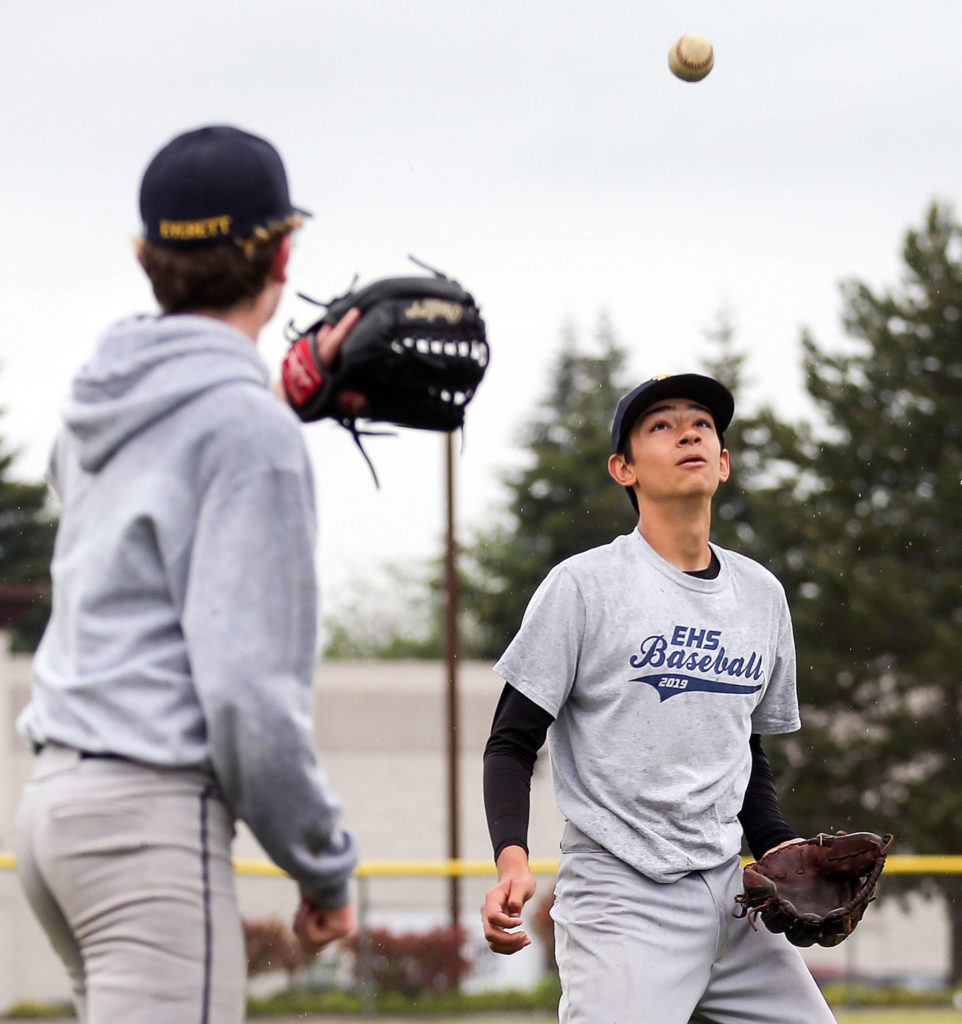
x=905 y=1015
x=869 y=1015
x=874 y=1016
x=909 y=1016
x=489 y=1018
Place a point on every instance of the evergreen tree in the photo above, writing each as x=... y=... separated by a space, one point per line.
x=26 y=544
x=859 y=519
x=561 y=502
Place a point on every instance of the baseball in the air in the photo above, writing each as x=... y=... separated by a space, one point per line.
x=691 y=58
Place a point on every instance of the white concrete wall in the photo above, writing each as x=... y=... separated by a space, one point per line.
x=381 y=731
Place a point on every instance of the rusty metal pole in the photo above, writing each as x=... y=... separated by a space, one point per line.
x=451 y=657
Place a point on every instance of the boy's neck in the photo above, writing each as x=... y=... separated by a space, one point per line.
x=250 y=316
x=679 y=536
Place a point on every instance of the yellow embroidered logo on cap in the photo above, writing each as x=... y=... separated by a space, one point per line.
x=190 y=230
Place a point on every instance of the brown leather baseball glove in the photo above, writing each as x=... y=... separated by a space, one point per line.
x=815 y=890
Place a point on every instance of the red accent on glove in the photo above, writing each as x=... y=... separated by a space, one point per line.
x=300 y=373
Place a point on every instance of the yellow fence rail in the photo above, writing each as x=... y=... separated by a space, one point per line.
x=897 y=864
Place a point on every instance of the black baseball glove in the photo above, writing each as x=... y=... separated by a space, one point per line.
x=414 y=359
x=816 y=890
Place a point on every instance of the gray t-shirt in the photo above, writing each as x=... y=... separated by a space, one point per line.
x=656 y=679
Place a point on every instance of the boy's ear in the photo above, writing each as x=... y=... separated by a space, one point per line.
x=620 y=471
x=724 y=466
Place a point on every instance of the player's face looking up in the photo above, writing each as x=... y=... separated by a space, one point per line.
x=674 y=450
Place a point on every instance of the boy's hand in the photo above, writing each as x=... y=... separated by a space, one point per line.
x=501 y=913
x=316 y=926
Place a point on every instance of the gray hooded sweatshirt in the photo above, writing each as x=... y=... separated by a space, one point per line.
x=184 y=617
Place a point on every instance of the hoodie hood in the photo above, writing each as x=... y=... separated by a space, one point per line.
x=146 y=367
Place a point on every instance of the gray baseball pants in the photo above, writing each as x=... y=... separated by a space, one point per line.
x=634 y=951
x=128 y=869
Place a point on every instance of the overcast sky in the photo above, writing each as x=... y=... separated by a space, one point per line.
x=539 y=152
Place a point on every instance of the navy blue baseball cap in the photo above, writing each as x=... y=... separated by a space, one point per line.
x=707 y=391
x=211 y=184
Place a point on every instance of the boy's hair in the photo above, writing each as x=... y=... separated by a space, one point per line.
x=212 y=277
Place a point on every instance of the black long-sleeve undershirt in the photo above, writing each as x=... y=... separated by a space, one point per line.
x=761 y=816
x=517 y=734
